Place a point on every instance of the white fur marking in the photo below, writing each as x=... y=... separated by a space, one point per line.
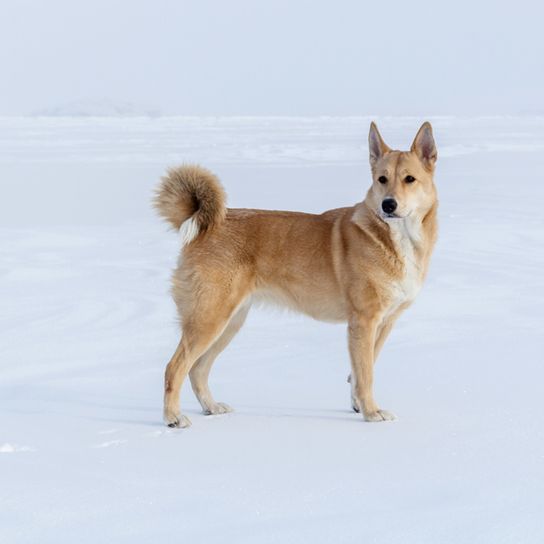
x=188 y=231
x=406 y=234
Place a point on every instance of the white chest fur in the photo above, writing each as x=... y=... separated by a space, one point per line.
x=406 y=235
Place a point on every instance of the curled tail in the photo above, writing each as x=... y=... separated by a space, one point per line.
x=192 y=199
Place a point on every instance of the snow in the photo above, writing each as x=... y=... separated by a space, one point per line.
x=88 y=326
x=102 y=107
x=12 y=448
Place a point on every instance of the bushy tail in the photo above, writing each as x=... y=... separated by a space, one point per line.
x=191 y=196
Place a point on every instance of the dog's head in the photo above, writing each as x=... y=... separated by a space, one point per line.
x=402 y=180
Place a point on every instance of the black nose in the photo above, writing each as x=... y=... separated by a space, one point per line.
x=389 y=205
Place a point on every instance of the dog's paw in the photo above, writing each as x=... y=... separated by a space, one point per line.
x=380 y=415
x=176 y=420
x=218 y=408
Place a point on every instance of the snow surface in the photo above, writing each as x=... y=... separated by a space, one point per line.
x=88 y=325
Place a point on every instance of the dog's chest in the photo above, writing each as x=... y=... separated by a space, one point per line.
x=406 y=237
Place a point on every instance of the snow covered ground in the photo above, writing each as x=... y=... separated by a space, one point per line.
x=87 y=326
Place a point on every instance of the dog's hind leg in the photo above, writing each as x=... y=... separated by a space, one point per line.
x=201 y=370
x=202 y=326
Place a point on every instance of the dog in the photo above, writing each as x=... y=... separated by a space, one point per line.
x=361 y=265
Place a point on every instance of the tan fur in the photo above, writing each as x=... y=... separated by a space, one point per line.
x=191 y=191
x=352 y=265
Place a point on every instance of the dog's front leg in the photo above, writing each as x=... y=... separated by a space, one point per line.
x=362 y=332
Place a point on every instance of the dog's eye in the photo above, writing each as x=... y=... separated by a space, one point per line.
x=382 y=179
x=409 y=179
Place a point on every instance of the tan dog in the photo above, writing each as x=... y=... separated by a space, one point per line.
x=362 y=265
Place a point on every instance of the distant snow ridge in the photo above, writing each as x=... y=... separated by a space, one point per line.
x=13 y=448
x=98 y=108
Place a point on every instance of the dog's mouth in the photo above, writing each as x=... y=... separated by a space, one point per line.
x=388 y=216
x=392 y=216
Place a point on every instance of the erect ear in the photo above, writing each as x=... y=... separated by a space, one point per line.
x=424 y=145
x=376 y=146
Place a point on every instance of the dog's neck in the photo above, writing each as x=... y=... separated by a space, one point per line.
x=407 y=230
x=414 y=234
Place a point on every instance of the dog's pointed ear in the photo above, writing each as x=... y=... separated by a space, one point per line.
x=424 y=146
x=376 y=146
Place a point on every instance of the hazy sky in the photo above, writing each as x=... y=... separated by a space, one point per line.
x=274 y=56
